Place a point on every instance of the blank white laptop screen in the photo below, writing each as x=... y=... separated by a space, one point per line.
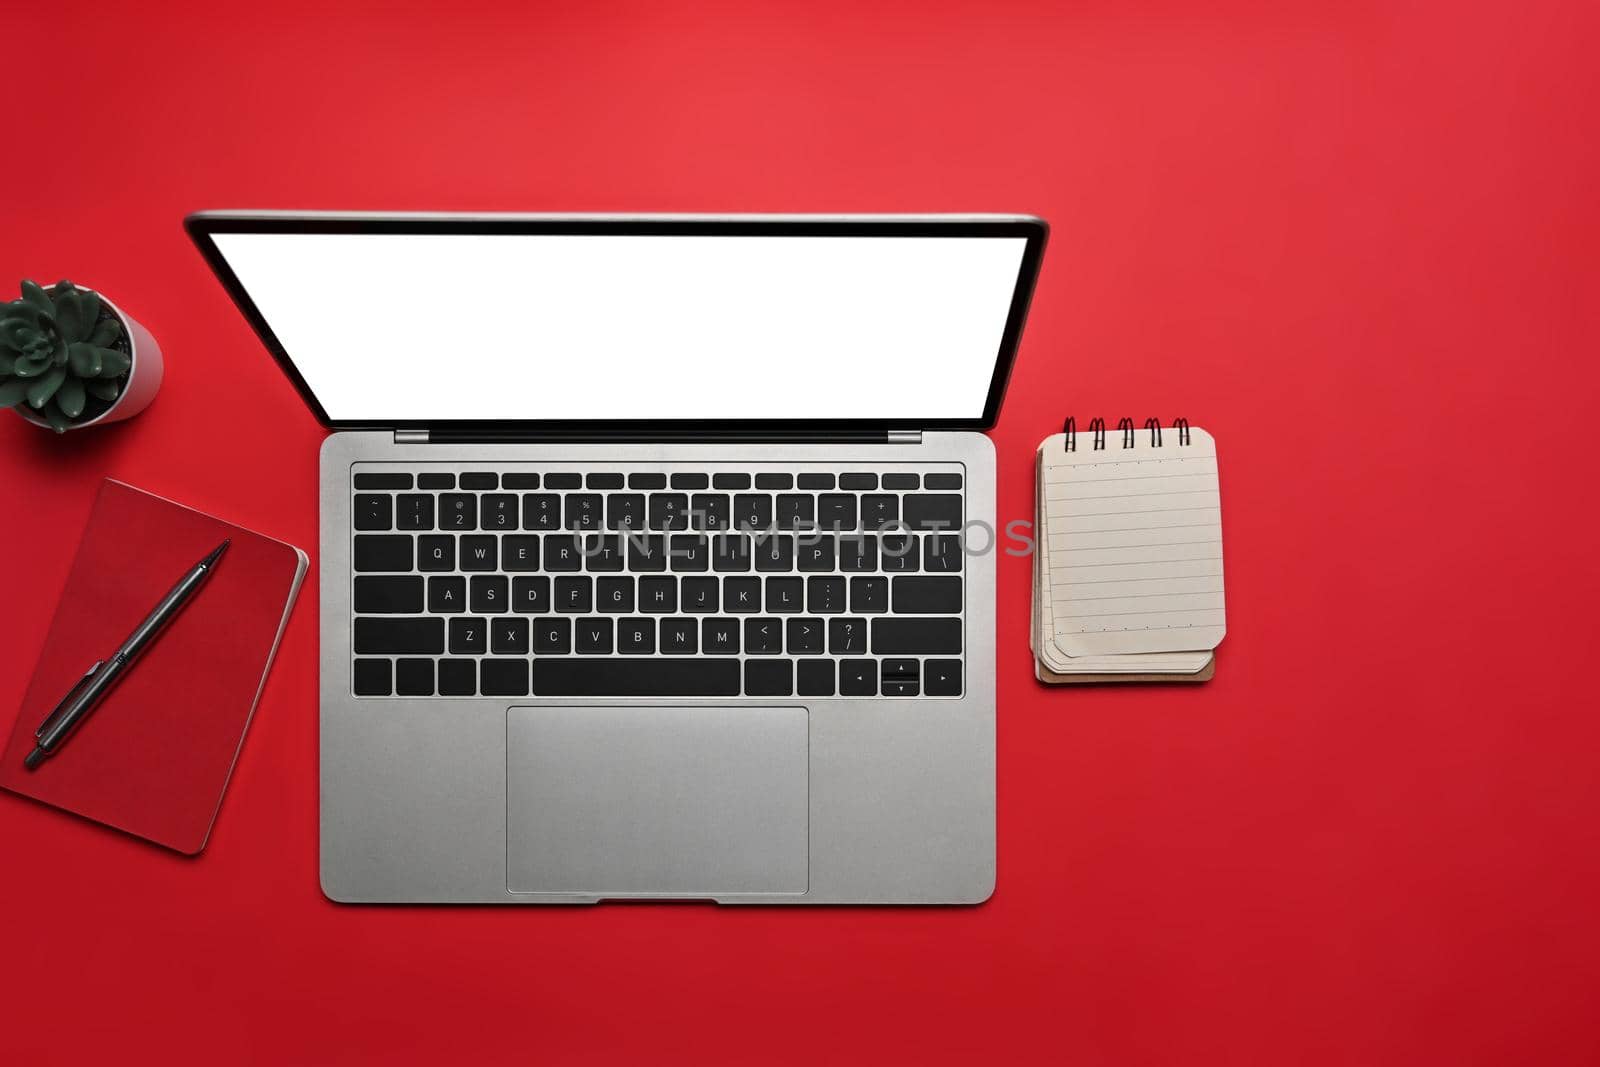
x=397 y=327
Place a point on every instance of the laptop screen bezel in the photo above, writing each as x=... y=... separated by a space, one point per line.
x=203 y=226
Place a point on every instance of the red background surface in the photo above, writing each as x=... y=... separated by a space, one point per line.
x=1355 y=240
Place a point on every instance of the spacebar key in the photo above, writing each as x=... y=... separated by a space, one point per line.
x=612 y=677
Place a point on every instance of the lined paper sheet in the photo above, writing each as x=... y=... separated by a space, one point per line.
x=1135 y=544
x=1042 y=631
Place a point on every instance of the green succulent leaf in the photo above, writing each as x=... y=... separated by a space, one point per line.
x=28 y=367
x=70 y=317
x=53 y=415
x=37 y=297
x=15 y=328
x=61 y=289
x=8 y=360
x=70 y=397
x=43 y=388
x=113 y=364
x=84 y=359
x=107 y=332
x=106 y=389
x=13 y=392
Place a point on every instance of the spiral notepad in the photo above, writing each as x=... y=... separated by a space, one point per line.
x=1128 y=575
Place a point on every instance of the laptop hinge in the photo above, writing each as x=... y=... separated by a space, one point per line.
x=411 y=437
x=905 y=437
x=486 y=437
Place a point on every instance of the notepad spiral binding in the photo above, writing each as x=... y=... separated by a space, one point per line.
x=1125 y=427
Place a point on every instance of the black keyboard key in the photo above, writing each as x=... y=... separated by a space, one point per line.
x=552 y=636
x=585 y=511
x=398 y=636
x=815 y=481
x=719 y=637
x=836 y=511
x=678 y=637
x=941 y=554
x=774 y=481
x=469 y=636
x=933 y=511
x=603 y=481
x=858 y=552
x=636 y=677
x=741 y=595
x=594 y=637
x=504 y=677
x=519 y=552
x=575 y=595
x=383 y=481
x=530 y=595
x=858 y=678
x=869 y=596
x=879 y=510
x=688 y=553
x=541 y=511
x=647 y=552
x=814 y=678
x=658 y=595
x=480 y=480
x=899 y=481
x=625 y=511
x=803 y=637
x=858 y=480
x=562 y=552
x=796 y=511
x=669 y=511
x=815 y=553
x=374 y=511
x=414 y=511
x=479 y=553
x=382 y=552
x=458 y=677
x=847 y=636
x=825 y=596
x=763 y=636
x=616 y=595
x=436 y=481
x=916 y=637
x=941 y=481
x=396 y=595
x=508 y=637
x=636 y=636
x=647 y=480
x=899 y=553
x=436 y=552
x=497 y=511
x=563 y=480
x=447 y=594
x=699 y=595
x=690 y=481
x=371 y=678
x=603 y=552
x=752 y=511
x=915 y=594
x=730 y=552
x=708 y=511
x=730 y=481
x=458 y=511
x=519 y=480
x=490 y=594
x=413 y=677
x=785 y=594
x=774 y=552
x=770 y=678
x=899 y=677
x=941 y=677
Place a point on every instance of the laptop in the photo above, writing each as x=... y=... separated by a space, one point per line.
x=657 y=552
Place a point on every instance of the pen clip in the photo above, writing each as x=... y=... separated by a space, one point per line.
x=64 y=701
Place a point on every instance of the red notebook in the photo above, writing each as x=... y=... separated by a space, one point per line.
x=154 y=756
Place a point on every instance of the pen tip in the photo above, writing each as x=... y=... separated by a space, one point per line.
x=216 y=553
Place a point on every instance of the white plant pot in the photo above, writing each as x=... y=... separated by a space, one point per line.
x=144 y=377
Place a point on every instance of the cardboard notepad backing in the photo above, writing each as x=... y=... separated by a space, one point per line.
x=1128 y=563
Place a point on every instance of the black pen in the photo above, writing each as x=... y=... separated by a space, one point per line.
x=83 y=696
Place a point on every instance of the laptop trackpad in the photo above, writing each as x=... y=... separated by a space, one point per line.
x=657 y=801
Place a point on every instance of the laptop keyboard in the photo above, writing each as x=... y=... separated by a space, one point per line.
x=657 y=581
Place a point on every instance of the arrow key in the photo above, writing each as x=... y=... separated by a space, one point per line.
x=942 y=677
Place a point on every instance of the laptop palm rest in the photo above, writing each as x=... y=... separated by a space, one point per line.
x=657 y=801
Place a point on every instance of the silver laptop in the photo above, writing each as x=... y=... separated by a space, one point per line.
x=657 y=552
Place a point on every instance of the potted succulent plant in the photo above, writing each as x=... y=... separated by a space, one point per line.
x=71 y=358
